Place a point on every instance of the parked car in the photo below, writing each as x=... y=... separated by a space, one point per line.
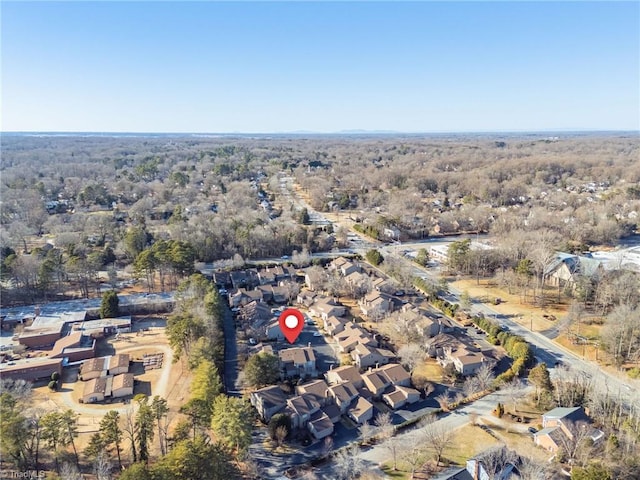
x=532 y=430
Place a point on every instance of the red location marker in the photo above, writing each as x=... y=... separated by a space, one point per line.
x=291 y=323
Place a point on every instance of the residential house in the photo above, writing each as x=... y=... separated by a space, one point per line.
x=280 y=294
x=467 y=362
x=346 y=373
x=466 y=358
x=356 y=279
x=353 y=335
x=273 y=331
x=344 y=266
x=478 y=468
x=254 y=315
x=316 y=389
x=268 y=401
x=301 y=408
x=396 y=374
x=320 y=425
x=428 y=327
x=343 y=394
x=222 y=280
x=562 y=423
x=239 y=279
x=267 y=277
x=325 y=307
x=399 y=396
x=334 y=325
x=566 y=270
x=376 y=303
x=332 y=411
x=305 y=298
x=298 y=362
x=376 y=383
x=366 y=356
x=266 y=291
x=242 y=297
x=382 y=285
x=313 y=281
x=360 y=411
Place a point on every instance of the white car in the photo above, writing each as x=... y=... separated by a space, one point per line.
x=317 y=334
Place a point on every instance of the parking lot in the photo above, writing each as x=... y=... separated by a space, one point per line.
x=325 y=352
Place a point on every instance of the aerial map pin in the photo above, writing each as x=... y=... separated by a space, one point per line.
x=291 y=323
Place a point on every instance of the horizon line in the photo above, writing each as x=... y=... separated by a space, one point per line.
x=317 y=132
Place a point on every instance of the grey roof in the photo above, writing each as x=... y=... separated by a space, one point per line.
x=567 y=413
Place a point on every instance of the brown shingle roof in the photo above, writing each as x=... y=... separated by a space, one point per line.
x=124 y=380
x=95 y=385
x=297 y=355
x=347 y=373
x=394 y=372
x=118 y=361
x=93 y=365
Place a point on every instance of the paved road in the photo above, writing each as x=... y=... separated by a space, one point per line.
x=230 y=353
x=546 y=350
x=375 y=456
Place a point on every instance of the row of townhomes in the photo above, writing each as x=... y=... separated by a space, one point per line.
x=344 y=391
x=348 y=391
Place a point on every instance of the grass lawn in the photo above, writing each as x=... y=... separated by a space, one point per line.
x=517 y=441
x=429 y=369
x=391 y=473
x=468 y=441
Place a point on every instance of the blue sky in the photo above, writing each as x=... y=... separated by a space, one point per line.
x=326 y=67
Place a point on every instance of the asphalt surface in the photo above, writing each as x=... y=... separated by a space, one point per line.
x=230 y=374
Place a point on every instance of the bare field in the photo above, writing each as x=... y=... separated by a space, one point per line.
x=523 y=313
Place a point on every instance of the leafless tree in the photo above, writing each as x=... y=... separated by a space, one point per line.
x=575 y=445
x=69 y=471
x=413 y=453
x=621 y=334
x=102 y=466
x=367 y=431
x=436 y=435
x=514 y=390
x=571 y=387
x=495 y=460
x=485 y=377
x=348 y=463
x=411 y=355
x=301 y=259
